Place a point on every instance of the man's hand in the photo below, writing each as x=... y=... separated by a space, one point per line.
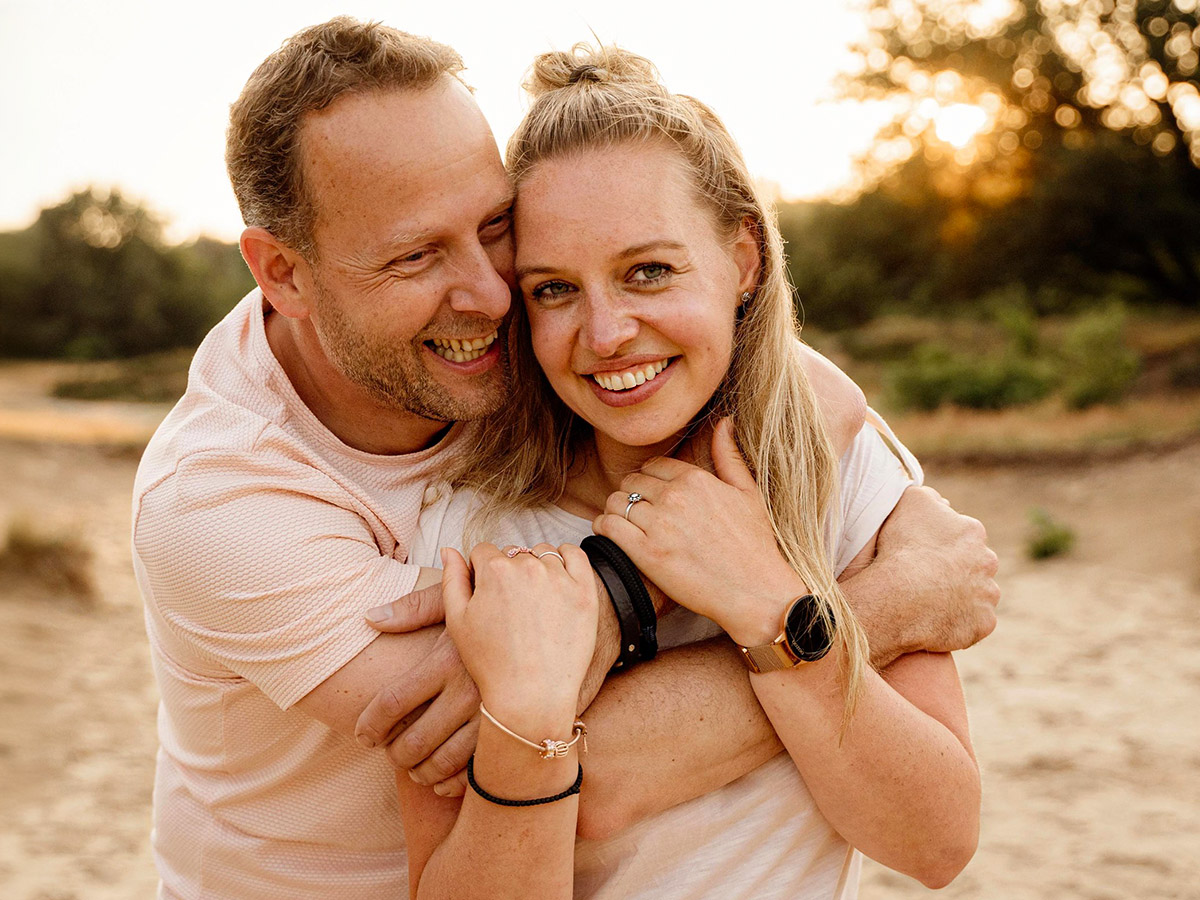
x=948 y=600
x=428 y=715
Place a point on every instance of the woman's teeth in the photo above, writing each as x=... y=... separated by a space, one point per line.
x=630 y=378
x=462 y=351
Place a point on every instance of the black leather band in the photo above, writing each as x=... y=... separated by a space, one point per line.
x=538 y=801
x=610 y=560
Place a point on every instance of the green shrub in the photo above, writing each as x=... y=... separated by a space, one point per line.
x=935 y=375
x=1047 y=537
x=1097 y=366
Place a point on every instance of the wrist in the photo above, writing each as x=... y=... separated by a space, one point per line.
x=759 y=618
x=533 y=716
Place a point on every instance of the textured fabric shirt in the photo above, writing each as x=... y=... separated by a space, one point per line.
x=260 y=539
x=760 y=837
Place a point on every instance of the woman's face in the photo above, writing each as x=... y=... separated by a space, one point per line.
x=631 y=291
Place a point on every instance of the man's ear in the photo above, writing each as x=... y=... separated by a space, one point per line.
x=274 y=266
x=747 y=255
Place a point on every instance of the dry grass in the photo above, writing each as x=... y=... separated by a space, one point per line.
x=56 y=560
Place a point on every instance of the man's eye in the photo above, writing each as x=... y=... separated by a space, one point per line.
x=650 y=272
x=497 y=225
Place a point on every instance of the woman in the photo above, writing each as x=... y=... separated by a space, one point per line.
x=656 y=304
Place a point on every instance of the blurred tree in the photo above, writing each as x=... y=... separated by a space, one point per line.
x=1051 y=145
x=93 y=278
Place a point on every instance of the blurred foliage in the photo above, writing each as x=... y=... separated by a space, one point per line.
x=1047 y=537
x=1041 y=153
x=936 y=375
x=155 y=378
x=1090 y=364
x=92 y=278
x=1097 y=366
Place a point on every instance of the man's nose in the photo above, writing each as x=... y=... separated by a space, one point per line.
x=481 y=288
x=610 y=324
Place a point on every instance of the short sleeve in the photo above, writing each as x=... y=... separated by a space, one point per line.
x=265 y=566
x=875 y=471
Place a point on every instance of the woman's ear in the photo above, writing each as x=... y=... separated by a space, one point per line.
x=274 y=266
x=747 y=254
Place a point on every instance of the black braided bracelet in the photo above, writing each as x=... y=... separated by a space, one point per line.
x=599 y=548
x=538 y=801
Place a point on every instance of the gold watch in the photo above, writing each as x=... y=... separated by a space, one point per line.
x=805 y=636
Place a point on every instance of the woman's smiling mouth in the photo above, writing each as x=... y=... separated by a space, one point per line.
x=627 y=379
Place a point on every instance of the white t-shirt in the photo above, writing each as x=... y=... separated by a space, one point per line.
x=260 y=540
x=760 y=837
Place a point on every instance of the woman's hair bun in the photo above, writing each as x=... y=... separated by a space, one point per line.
x=584 y=64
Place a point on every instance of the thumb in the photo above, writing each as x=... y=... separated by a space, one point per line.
x=727 y=459
x=456 y=586
x=410 y=612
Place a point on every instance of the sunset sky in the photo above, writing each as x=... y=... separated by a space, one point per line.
x=136 y=94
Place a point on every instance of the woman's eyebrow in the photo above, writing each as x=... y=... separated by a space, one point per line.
x=636 y=250
x=650 y=246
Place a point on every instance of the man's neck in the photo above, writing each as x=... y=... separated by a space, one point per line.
x=347 y=410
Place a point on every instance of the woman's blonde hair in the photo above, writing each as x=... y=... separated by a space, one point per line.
x=587 y=99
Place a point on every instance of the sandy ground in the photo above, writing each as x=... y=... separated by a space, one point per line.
x=1085 y=703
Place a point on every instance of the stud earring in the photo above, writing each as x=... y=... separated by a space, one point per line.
x=746 y=298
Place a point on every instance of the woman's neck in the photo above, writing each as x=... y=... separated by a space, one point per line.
x=606 y=462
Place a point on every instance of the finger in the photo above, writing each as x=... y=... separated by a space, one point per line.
x=548 y=554
x=448 y=712
x=619 y=504
x=728 y=463
x=628 y=536
x=449 y=758
x=666 y=468
x=410 y=612
x=577 y=564
x=456 y=586
x=393 y=703
x=452 y=787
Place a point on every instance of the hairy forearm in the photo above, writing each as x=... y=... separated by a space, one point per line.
x=668 y=731
x=871 y=591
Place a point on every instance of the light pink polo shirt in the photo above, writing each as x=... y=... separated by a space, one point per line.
x=259 y=542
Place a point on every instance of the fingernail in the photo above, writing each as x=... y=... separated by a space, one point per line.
x=412 y=773
x=379 y=613
x=440 y=789
x=365 y=740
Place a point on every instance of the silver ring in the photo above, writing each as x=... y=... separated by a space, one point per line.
x=551 y=553
x=635 y=497
x=514 y=552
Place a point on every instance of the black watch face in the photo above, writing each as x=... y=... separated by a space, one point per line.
x=807 y=633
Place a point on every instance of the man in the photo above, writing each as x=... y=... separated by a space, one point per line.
x=276 y=504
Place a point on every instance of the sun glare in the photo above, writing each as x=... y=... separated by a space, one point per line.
x=958 y=123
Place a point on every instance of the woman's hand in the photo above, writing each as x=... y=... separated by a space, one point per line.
x=706 y=540
x=526 y=631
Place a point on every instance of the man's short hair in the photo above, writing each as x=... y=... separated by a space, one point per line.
x=311 y=70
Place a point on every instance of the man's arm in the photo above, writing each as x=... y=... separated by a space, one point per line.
x=689 y=723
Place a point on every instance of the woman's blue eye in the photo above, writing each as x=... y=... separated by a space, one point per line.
x=550 y=289
x=651 y=272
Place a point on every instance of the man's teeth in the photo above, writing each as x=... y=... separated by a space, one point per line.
x=463 y=351
x=630 y=378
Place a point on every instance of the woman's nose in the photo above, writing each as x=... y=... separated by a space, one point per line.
x=610 y=325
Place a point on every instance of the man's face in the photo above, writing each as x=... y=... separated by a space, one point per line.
x=414 y=249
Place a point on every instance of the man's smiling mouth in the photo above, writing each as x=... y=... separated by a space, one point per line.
x=630 y=378
x=457 y=350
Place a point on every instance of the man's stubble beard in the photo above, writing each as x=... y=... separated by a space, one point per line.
x=396 y=377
